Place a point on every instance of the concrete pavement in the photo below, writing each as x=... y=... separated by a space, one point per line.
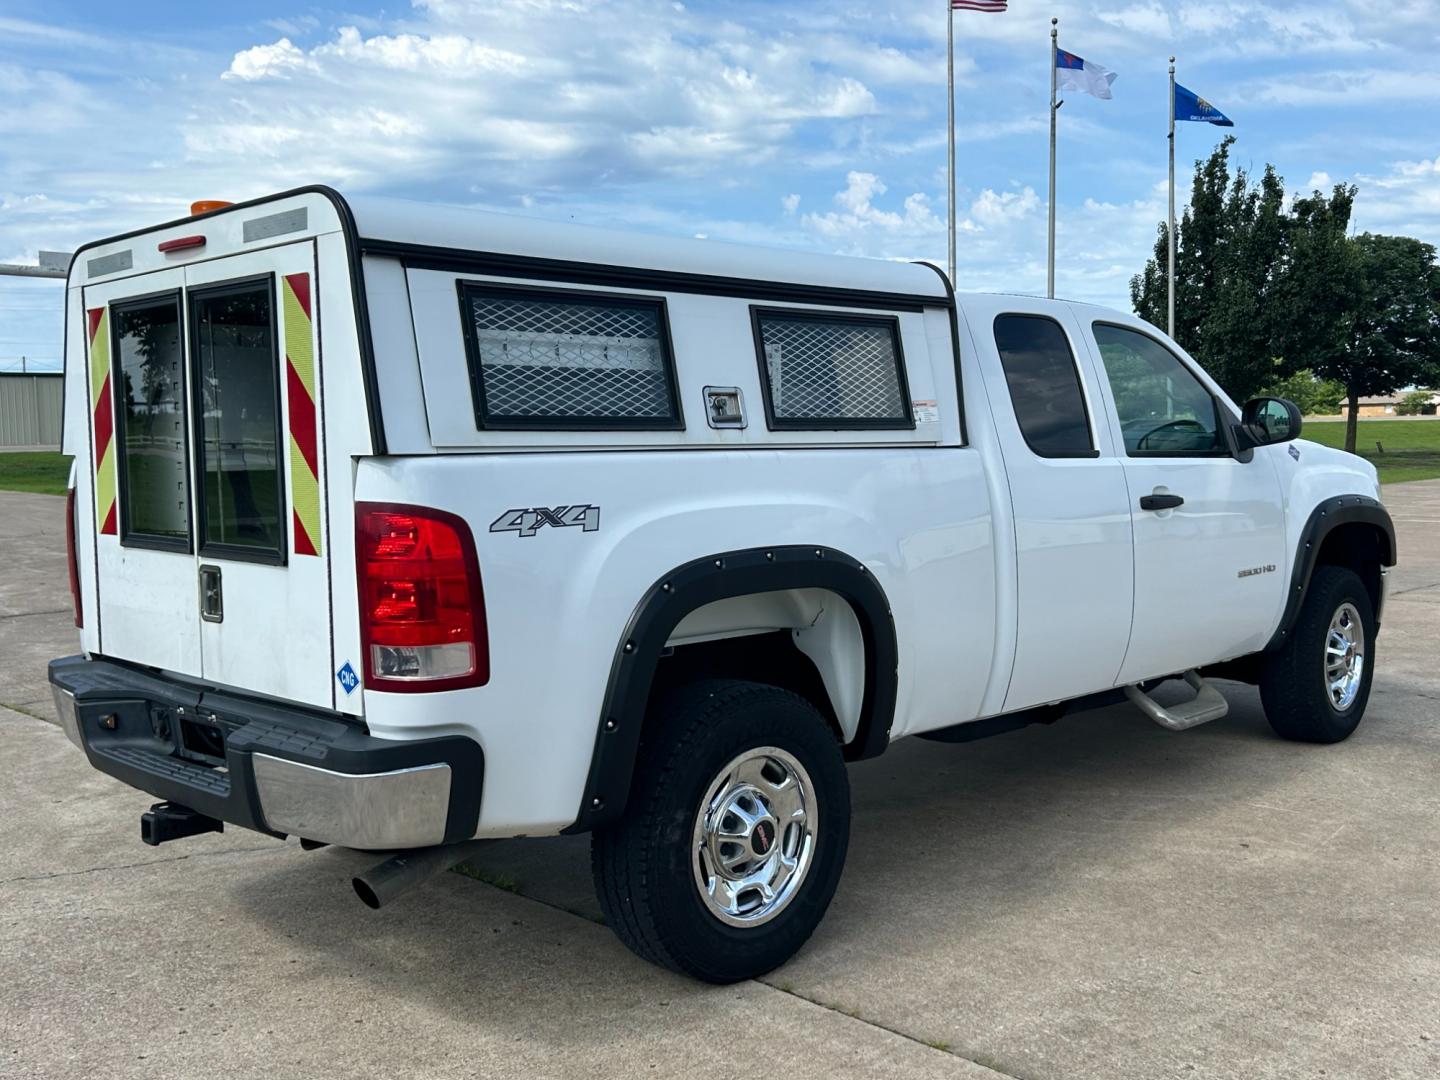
x=1099 y=898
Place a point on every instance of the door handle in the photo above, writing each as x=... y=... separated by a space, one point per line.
x=212 y=601
x=1160 y=502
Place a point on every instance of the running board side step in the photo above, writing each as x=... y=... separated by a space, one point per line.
x=1207 y=704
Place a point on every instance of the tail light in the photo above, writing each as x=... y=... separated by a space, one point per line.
x=422 y=611
x=72 y=557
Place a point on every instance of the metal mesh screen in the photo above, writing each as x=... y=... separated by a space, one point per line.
x=566 y=359
x=840 y=370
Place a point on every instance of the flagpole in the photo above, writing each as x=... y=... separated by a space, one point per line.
x=950 y=118
x=1050 y=266
x=1170 y=230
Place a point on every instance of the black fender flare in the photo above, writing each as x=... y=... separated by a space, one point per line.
x=719 y=577
x=1324 y=519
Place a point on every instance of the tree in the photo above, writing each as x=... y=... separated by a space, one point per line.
x=1373 y=313
x=1262 y=293
x=1314 y=397
x=1231 y=244
x=1415 y=403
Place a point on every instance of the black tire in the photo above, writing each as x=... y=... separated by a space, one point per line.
x=1292 y=679
x=643 y=864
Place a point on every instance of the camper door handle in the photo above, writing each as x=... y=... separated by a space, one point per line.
x=212 y=597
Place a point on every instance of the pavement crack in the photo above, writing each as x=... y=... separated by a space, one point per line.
x=1414 y=588
x=29 y=614
x=136 y=865
x=24 y=710
x=939 y=1048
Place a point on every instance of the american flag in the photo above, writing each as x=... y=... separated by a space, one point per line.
x=977 y=5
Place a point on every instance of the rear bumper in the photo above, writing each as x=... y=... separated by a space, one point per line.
x=266 y=766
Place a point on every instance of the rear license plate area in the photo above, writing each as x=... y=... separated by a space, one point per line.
x=200 y=739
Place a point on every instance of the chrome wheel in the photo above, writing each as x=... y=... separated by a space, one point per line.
x=1344 y=657
x=754 y=836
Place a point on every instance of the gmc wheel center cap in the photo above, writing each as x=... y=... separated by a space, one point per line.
x=762 y=837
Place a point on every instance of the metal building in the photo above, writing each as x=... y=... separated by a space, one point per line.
x=30 y=407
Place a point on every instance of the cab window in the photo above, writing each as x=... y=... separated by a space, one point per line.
x=1164 y=410
x=1044 y=386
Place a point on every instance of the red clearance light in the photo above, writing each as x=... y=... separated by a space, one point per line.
x=72 y=557
x=180 y=243
x=422 y=608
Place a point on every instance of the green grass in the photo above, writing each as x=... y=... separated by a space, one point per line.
x=1411 y=447
x=43 y=472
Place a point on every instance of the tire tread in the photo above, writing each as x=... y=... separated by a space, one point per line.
x=1295 y=704
x=623 y=854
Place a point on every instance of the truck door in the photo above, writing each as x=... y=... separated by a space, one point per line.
x=262 y=564
x=140 y=457
x=1068 y=497
x=1209 y=527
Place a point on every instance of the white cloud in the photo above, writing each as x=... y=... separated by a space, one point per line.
x=588 y=98
x=1150 y=19
x=1001 y=236
x=439 y=53
x=866 y=228
x=266 y=62
x=1352 y=87
x=1405 y=199
x=998 y=208
x=791 y=203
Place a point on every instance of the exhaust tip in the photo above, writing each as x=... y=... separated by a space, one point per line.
x=403 y=871
x=366 y=893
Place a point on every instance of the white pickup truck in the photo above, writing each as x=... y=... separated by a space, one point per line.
x=400 y=527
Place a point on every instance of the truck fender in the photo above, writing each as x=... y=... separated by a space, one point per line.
x=719 y=577
x=1331 y=514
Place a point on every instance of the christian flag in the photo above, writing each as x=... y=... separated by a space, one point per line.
x=1191 y=106
x=1084 y=75
x=977 y=5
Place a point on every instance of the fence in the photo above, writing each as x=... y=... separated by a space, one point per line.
x=30 y=407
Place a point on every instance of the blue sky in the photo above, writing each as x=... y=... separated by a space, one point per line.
x=816 y=125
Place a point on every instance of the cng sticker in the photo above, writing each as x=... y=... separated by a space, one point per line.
x=347 y=678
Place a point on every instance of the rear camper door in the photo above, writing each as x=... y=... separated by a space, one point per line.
x=262 y=565
x=212 y=545
x=139 y=441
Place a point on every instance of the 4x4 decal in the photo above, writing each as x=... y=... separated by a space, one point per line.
x=527 y=521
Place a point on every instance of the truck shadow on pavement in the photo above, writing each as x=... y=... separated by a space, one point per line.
x=1064 y=900
x=952 y=836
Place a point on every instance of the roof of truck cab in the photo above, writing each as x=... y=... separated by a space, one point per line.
x=461 y=229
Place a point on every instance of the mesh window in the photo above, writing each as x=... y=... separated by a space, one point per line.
x=832 y=371
x=548 y=359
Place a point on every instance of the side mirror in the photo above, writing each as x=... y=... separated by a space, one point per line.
x=1268 y=420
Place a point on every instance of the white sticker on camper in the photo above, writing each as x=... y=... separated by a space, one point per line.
x=926 y=412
